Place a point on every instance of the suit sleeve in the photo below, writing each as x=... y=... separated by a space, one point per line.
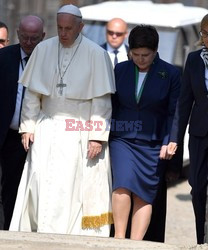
x=184 y=106
x=173 y=97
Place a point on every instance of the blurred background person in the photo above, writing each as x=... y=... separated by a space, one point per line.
x=12 y=62
x=192 y=108
x=116 y=33
x=4 y=35
x=147 y=89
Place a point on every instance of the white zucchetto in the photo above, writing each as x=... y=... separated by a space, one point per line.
x=70 y=9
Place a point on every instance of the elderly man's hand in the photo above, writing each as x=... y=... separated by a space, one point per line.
x=94 y=148
x=27 y=138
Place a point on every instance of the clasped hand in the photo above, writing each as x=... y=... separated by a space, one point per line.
x=168 y=151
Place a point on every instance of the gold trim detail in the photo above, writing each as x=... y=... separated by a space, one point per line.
x=97 y=221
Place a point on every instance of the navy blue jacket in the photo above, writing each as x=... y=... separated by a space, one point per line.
x=151 y=118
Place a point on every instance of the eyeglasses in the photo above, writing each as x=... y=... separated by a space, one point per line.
x=111 y=33
x=33 y=39
x=203 y=34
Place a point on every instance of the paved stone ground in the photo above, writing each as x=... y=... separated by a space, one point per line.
x=180 y=232
x=36 y=241
x=180 y=225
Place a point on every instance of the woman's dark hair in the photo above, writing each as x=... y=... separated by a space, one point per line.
x=143 y=36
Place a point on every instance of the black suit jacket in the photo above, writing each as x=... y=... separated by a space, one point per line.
x=193 y=100
x=10 y=57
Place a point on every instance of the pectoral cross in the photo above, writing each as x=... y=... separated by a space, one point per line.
x=61 y=85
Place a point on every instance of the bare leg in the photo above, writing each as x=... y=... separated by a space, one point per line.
x=140 y=218
x=121 y=203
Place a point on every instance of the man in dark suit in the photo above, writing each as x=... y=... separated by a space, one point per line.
x=116 y=33
x=12 y=154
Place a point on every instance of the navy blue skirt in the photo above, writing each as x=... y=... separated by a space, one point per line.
x=136 y=166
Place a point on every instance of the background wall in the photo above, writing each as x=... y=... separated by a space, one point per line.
x=12 y=10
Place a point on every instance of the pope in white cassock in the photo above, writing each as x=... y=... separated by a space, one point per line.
x=66 y=182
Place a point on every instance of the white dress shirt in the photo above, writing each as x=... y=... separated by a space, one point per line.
x=122 y=53
x=141 y=78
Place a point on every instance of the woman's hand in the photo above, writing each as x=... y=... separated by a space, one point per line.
x=163 y=151
x=168 y=151
x=171 y=149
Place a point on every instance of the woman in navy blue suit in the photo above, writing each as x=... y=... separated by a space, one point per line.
x=192 y=107
x=143 y=110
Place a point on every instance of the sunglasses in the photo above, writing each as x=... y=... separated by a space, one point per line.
x=111 y=33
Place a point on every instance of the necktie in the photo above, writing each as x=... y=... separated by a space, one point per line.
x=115 y=58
